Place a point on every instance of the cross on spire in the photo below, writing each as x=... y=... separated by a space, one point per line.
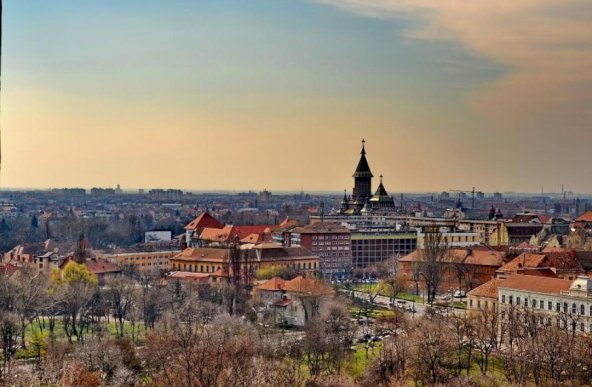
x=363 y=147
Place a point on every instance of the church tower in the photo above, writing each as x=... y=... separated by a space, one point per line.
x=362 y=180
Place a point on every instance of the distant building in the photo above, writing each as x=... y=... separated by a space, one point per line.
x=250 y=257
x=142 y=260
x=362 y=199
x=331 y=242
x=372 y=248
x=284 y=299
x=157 y=236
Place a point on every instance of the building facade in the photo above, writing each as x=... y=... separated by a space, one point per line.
x=372 y=248
x=331 y=242
x=142 y=260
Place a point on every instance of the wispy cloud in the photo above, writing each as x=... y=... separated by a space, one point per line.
x=545 y=44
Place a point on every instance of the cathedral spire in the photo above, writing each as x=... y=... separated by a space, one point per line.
x=363 y=169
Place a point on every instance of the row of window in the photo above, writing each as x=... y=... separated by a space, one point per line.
x=322 y=237
x=329 y=243
x=541 y=305
x=560 y=323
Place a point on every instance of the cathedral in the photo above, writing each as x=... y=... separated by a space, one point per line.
x=362 y=201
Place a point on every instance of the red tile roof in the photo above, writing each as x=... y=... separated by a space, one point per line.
x=8 y=269
x=275 y=284
x=469 y=256
x=253 y=238
x=488 y=289
x=536 y=284
x=189 y=276
x=585 y=217
x=202 y=221
x=225 y=234
x=308 y=286
x=244 y=231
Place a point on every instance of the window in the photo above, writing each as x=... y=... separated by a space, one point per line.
x=533 y=303
x=542 y=304
x=558 y=307
x=504 y=300
x=582 y=310
x=573 y=308
x=471 y=303
x=550 y=307
x=510 y=300
x=565 y=307
x=478 y=304
x=518 y=301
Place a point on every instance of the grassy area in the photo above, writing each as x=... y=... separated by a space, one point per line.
x=357 y=364
x=37 y=335
x=354 y=310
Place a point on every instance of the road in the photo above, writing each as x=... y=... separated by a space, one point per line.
x=383 y=301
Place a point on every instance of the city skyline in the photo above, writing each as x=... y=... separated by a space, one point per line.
x=218 y=95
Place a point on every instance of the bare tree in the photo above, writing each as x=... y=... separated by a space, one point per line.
x=431 y=258
x=122 y=294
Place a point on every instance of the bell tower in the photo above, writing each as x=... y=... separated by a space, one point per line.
x=362 y=179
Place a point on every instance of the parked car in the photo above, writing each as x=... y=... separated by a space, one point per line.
x=460 y=294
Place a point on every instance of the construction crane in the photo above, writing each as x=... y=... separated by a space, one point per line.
x=471 y=191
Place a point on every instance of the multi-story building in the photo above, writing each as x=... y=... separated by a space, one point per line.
x=566 y=303
x=372 y=248
x=250 y=257
x=142 y=260
x=562 y=302
x=331 y=242
x=452 y=239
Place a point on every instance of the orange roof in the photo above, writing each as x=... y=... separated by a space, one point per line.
x=244 y=231
x=469 y=256
x=8 y=269
x=308 y=286
x=273 y=285
x=202 y=221
x=225 y=234
x=205 y=253
x=536 y=284
x=488 y=289
x=523 y=260
x=253 y=238
x=189 y=276
x=585 y=217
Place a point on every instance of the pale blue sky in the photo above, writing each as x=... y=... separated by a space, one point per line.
x=135 y=92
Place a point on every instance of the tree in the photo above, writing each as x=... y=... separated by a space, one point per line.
x=430 y=354
x=431 y=258
x=122 y=297
x=29 y=297
x=74 y=287
x=34 y=222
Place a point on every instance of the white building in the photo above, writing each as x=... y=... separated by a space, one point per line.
x=566 y=303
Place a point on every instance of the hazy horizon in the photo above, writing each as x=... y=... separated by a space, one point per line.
x=223 y=94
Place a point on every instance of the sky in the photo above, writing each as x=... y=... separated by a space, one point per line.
x=277 y=94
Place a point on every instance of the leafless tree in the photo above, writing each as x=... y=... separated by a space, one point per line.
x=431 y=261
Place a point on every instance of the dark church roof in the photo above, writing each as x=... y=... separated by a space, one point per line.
x=363 y=169
x=381 y=192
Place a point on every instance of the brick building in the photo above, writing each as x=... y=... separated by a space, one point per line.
x=331 y=242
